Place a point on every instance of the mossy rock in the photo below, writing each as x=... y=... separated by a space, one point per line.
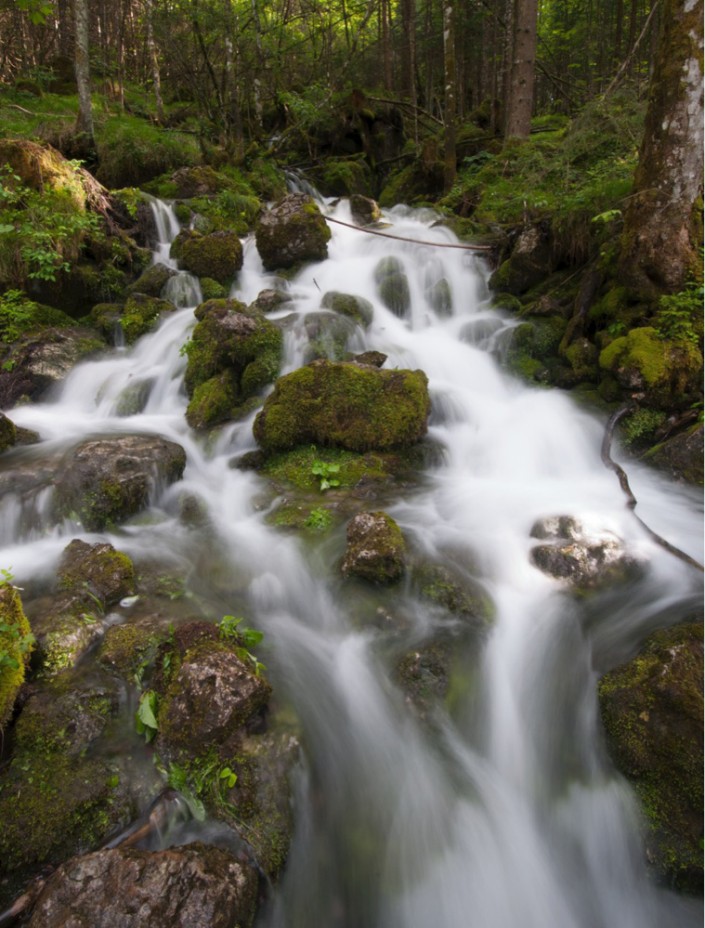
x=681 y=456
x=328 y=336
x=40 y=166
x=16 y=643
x=346 y=406
x=532 y=351
x=106 y=317
x=652 y=711
x=532 y=259
x=375 y=549
x=292 y=232
x=298 y=467
x=98 y=569
x=197 y=181
x=458 y=595
x=141 y=314
x=356 y=308
x=8 y=433
x=393 y=286
x=212 y=289
x=365 y=212
x=125 y=649
x=667 y=372
x=233 y=353
x=217 y=255
x=151 y=282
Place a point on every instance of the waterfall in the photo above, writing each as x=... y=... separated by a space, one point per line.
x=503 y=811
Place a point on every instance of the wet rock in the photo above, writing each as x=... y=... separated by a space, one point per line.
x=270 y=300
x=531 y=261
x=66 y=627
x=105 y=481
x=375 y=549
x=182 y=887
x=217 y=255
x=345 y=406
x=358 y=309
x=364 y=211
x=667 y=373
x=393 y=286
x=233 y=353
x=328 y=336
x=151 y=282
x=133 y=399
x=652 y=711
x=586 y=560
x=370 y=358
x=8 y=433
x=212 y=696
x=43 y=360
x=56 y=795
x=461 y=596
x=16 y=644
x=141 y=314
x=198 y=181
x=293 y=231
x=681 y=457
x=107 y=574
x=106 y=318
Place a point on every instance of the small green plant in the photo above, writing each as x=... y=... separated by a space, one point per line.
x=325 y=471
x=146 y=720
x=229 y=776
x=679 y=315
x=231 y=629
x=318 y=520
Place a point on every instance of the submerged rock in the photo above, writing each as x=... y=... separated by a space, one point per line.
x=105 y=481
x=183 y=887
x=293 y=231
x=345 y=406
x=652 y=712
x=99 y=570
x=375 y=549
x=364 y=211
x=586 y=560
x=347 y=304
x=393 y=286
x=328 y=336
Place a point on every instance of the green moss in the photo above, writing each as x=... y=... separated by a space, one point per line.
x=16 y=642
x=296 y=467
x=213 y=402
x=20 y=315
x=141 y=314
x=217 y=255
x=346 y=406
x=212 y=290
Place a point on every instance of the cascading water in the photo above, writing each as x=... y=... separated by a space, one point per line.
x=504 y=811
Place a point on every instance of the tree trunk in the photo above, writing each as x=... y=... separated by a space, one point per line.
x=662 y=225
x=154 y=60
x=449 y=95
x=520 y=99
x=84 y=123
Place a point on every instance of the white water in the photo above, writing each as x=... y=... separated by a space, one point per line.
x=505 y=812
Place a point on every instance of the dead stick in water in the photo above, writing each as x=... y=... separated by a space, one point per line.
x=631 y=499
x=414 y=241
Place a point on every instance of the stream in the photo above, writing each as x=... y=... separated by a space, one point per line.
x=502 y=811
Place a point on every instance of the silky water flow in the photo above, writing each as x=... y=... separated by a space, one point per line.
x=503 y=810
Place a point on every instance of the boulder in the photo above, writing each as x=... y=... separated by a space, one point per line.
x=652 y=712
x=681 y=456
x=344 y=405
x=105 y=481
x=8 y=433
x=364 y=211
x=667 y=373
x=141 y=314
x=233 y=353
x=328 y=335
x=198 y=181
x=107 y=574
x=217 y=255
x=43 y=360
x=181 y=887
x=152 y=280
x=357 y=308
x=268 y=301
x=393 y=286
x=584 y=559
x=375 y=549
x=531 y=261
x=293 y=231
x=15 y=645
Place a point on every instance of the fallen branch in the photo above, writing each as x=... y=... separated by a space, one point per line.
x=631 y=499
x=414 y=241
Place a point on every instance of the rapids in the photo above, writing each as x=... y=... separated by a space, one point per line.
x=504 y=811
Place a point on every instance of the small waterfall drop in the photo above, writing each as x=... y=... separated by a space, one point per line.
x=504 y=812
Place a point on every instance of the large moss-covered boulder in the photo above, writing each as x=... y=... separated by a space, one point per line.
x=344 y=405
x=217 y=256
x=532 y=259
x=666 y=372
x=196 y=884
x=652 y=711
x=108 y=575
x=375 y=549
x=152 y=280
x=15 y=647
x=141 y=314
x=105 y=481
x=293 y=231
x=234 y=352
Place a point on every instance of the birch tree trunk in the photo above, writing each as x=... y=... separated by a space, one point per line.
x=663 y=225
x=520 y=97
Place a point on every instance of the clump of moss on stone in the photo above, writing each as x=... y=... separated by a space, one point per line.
x=345 y=406
x=16 y=642
x=141 y=314
x=652 y=711
x=357 y=308
x=217 y=255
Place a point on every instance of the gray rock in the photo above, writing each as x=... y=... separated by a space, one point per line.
x=393 y=287
x=293 y=231
x=375 y=548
